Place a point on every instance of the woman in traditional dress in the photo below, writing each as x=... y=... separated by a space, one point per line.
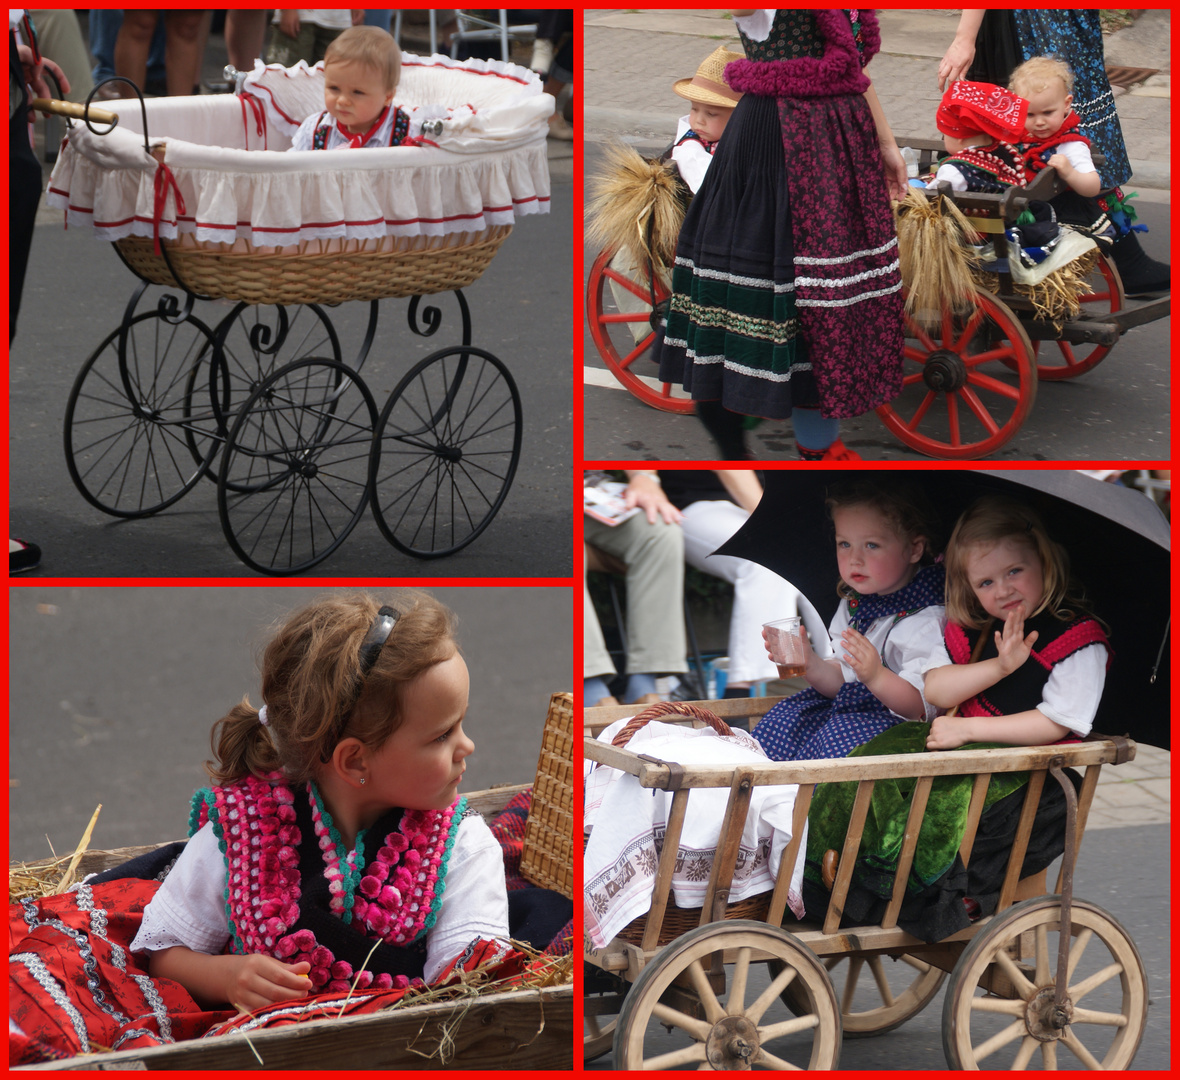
x=786 y=291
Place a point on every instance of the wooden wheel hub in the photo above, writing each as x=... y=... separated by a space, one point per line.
x=732 y=1044
x=1044 y=1020
x=944 y=371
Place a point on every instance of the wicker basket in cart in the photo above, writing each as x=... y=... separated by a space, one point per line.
x=548 y=858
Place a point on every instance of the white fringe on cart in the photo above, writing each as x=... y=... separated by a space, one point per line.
x=628 y=824
x=237 y=185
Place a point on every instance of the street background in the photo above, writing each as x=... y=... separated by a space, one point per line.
x=113 y=693
x=1118 y=411
x=75 y=293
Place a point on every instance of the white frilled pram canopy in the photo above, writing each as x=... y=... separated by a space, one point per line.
x=485 y=163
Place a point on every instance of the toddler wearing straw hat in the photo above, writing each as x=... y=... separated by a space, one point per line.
x=698 y=133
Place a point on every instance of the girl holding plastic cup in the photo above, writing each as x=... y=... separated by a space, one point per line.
x=891 y=617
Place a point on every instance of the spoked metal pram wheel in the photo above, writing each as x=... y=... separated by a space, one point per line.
x=445 y=451
x=293 y=478
x=136 y=436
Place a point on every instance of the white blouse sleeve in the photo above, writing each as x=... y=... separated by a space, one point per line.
x=301 y=140
x=189 y=908
x=475 y=901
x=910 y=645
x=757 y=26
x=1074 y=688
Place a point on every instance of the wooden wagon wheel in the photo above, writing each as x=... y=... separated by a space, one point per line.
x=611 y=329
x=952 y=405
x=1001 y=995
x=1063 y=360
x=599 y=1028
x=707 y=1010
x=899 y=988
x=892 y=994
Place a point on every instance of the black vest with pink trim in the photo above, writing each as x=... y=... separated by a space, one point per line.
x=1024 y=688
x=292 y=892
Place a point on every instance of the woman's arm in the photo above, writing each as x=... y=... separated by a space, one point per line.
x=896 y=177
x=743 y=485
x=961 y=51
x=245 y=982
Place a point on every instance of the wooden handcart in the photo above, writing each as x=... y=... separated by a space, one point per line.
x=1017 y=977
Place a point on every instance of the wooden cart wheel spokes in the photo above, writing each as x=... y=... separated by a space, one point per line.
x=600 y=1017
x=959 y=399
x=132 y=420
x=1057 y=360
x=879 y=993
x=618 y=306
x=999 y=1010
x=294 y=475
x=719 y=1016
x=445 y=451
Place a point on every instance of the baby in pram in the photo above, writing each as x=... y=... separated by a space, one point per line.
x=362 y=68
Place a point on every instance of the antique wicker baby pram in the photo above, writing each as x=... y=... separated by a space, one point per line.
x=205 y=200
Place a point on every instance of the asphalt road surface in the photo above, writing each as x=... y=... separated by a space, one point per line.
x=113 y=692
x=74 y=297
x=1119 y=410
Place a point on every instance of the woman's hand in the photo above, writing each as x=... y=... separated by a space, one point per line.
x=256 y=981
x=947 y=733
x=896 y=175
x=35 y=73
x=954 y=64
x=860 y=655
x=289 y=21
x=1012 y=647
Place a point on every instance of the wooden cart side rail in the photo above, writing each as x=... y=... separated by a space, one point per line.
x=488 y=802
x=517 y=1029
x=655 y=773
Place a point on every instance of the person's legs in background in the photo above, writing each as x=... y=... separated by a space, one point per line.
x=245 y=36
x=654 y=558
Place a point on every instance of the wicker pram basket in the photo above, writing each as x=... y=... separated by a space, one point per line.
x=219 y=208
x=321 y=277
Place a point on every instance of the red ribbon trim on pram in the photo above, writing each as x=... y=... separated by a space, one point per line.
x=164 y=179
x=259 y=119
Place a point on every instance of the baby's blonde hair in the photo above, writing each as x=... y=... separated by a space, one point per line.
x=988 y=521
x=370 y=46
x=1036 y=74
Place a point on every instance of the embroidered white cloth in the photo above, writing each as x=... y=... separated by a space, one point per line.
x=628 y=823
x=225 y=154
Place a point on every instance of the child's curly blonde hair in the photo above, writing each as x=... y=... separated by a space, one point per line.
x=1037 y=74
x=314 y=689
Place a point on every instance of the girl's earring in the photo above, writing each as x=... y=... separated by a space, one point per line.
x=363 y=779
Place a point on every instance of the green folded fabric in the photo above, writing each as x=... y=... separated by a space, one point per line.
x=943 y=824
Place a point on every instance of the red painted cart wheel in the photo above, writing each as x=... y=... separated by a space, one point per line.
x=968 y=383
x=618 y=302
x=1063 y=360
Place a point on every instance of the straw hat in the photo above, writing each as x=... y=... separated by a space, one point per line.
x=707 y=86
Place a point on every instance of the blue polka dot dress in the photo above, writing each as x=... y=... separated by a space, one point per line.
x=906 y=627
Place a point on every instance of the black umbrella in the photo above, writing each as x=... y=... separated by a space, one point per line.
x=1118 y=541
